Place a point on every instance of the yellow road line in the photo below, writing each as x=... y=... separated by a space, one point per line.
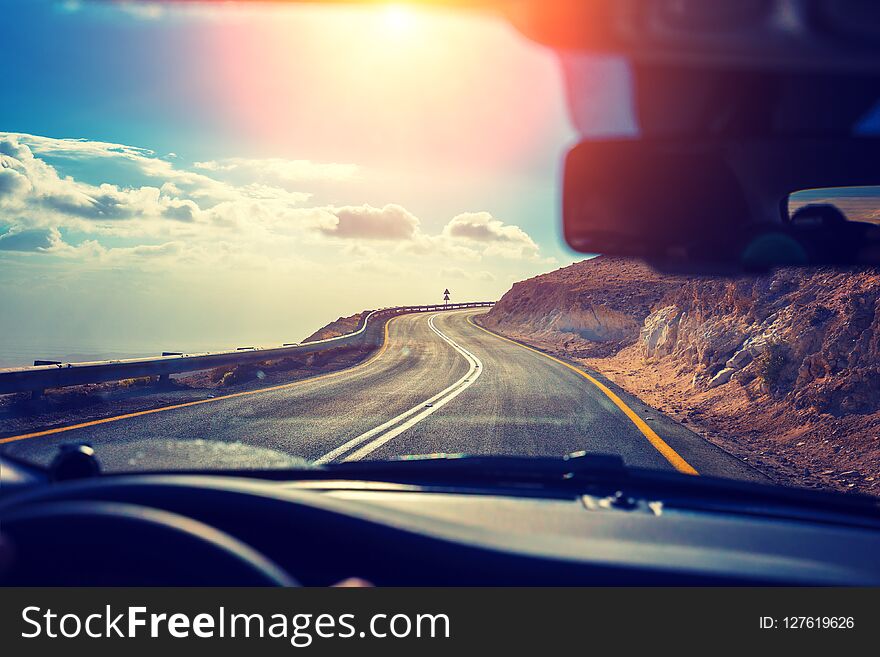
x=674 y=458
x=244 y=393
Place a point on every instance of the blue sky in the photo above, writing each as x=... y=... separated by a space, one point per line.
x=202 y=178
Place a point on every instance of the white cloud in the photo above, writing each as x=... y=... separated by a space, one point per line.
x=75 y=148
x=22 y=239
x=13 y=179
x=391 y=222
x=33 y=192
x=144 y=162
x=259 y=219
x=503 y=239
x=467 y=237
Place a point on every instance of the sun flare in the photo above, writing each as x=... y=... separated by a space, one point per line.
x=398 y=18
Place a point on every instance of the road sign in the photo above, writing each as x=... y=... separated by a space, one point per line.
x=446 y=297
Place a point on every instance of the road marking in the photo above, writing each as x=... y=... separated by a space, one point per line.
x=244 y=393
x=674 y=458
x=397 y=425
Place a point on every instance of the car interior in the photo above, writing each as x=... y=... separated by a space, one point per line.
x=768 y=102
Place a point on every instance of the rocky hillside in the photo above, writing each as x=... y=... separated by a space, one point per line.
x=590 y=308
x=341 y=326
x=782 y=369
x=812 y=337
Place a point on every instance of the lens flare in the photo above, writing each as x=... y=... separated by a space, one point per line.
x=398 y=18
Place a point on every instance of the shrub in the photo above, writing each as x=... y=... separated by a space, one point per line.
x=242 y=374
x=137 y=382
x=771 y=362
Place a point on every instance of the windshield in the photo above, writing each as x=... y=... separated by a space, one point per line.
x=254 y=236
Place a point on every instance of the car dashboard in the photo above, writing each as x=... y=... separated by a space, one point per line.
x=391 y=534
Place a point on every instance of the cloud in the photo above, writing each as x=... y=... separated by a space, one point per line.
x=20 y=144
x=106 y=202
x=119 y=158
x=32 y=191
x=269 y=193
x=181 y=210
x=278 y=172
x=255 y=217
x=12 y=181
x=502 y=239
x=469 y=236
x=483 y=227
x=391 y=222
x=29 y=239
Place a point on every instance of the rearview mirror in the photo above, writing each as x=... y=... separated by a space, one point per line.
x=850 y=204
x=719 y=205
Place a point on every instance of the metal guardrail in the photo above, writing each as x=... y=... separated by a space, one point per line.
x=60 y=375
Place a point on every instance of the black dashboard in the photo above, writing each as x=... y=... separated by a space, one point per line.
x=319 y=531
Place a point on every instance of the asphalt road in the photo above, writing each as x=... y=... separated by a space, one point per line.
x=440 y=383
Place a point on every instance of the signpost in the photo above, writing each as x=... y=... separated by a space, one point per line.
x=446 y=297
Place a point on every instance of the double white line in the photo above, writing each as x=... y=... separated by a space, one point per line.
x=397 y=425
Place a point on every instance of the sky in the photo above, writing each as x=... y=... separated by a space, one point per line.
x=194 y=178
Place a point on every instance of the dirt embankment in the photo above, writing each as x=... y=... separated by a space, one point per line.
x=782 y=370
x=585 y=309
x=339 y=327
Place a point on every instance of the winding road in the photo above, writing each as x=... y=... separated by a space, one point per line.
x=439 y=383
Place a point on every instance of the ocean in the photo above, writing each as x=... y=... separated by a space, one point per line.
x=23 y=353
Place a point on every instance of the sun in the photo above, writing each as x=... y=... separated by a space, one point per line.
x=398 y=18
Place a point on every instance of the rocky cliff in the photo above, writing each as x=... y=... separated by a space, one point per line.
x=781 y=369
x=590 y=308
x=336 y=328
x=810 y=336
